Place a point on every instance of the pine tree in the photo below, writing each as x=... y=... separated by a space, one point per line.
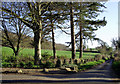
x=72 y=31
x=52 y=19
x=86 y=14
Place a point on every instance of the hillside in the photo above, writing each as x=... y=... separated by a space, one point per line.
x=27 y=42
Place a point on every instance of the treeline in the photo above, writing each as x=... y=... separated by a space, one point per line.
x=77 y=19
x=48 y=45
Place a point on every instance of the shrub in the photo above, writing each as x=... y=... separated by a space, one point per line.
x=12 y=59
x=81 y=61
x=69 y=65
x=100 y=61
x=29 y=64
x=49 y=64
x=76 y=61
x=98 y=56
x=64 y=62
x=14 y=65
x=6 y=64
x=116 y=67
x=9 y=59
x=117 y=58
x=21 y=64
x=104 y=58
x=58 y=63
x=62 y=57
x=25 y=58
x=37 y=66
x=112 y=57
x=46 y=56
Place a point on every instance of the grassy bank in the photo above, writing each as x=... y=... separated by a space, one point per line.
x=25 y=59
x=89 y=65
x=116 y=67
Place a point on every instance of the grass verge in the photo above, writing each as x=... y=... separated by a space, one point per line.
x=89 y=65
x=116 y=67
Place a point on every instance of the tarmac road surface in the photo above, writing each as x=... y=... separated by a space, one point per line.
x=102 y=74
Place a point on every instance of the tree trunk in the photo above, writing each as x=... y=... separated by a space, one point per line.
x=16 y=53
x=37 y=42
x=18 y=45
x=81 y=37
x=53 y=37
x=81 y=43
x=53 y=42
x=72 y=32
x=37 y=39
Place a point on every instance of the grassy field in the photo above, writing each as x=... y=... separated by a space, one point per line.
x=30 y=52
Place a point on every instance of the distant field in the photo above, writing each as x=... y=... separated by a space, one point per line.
x=30 y=52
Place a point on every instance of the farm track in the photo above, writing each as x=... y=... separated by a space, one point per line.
x=101 y=74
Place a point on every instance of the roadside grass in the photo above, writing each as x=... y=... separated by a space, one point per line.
x=27 y=52
x=26 y=57
x=116 y=67
x=89 y=65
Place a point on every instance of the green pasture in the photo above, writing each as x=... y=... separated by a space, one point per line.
x=30 y=52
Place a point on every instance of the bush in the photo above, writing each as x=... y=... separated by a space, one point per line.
x=36 y=66
x=82 y=61
x=64 y=62
x=14 y=65
x=116 y=67
x=12 y=59
x=9 y=59
x=69 y=65
x=58 y=63
x=98 y=56
x=49 y=64
x=100 y=61
x=62 y=57
x=25 y=58
x=21 y=64
x=76 y=61
x=6 y=64
x=117 y=58
x=104 y=58
x=29 y=64
x=46 y=56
